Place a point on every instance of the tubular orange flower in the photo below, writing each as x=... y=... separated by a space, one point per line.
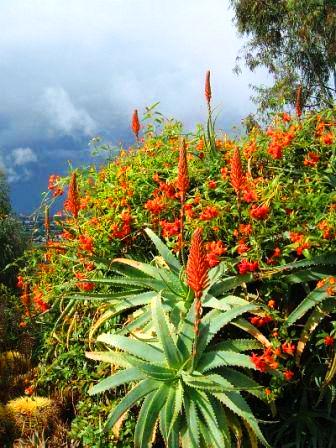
x=237 y=175
x=207 y=89
x=73 y=201
x=135 y=123
x=298 y=103
x=182 y=177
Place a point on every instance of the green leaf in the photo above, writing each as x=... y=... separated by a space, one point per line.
x=113 y=381
x=237 y=404
x=110 y=357
x=203 y=403
x=148 y=416
x=212 y=382
x=186 y=335
x=214 y=321
x=142 y=389
x=237 y=345
x=140 y=349
x=155 y=371
x=192 y=429
x=171 y=352
x=229 y=284
x=212 y=360
x=243 y=382
x=312 y=299
x=165 y=253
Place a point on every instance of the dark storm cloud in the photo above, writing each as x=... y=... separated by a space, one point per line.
x=74 y=69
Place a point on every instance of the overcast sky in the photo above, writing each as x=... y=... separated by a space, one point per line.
x=74 y=69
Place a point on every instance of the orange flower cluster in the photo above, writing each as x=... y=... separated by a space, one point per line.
x=208 y=213
x=245 y=266
x=170 y=229
x=311 y=159
x=267 y=360
x=260 y=321
x=37 y=299
x=300 y=243
x=155 y=206
x=237 y=176
x=53 y=186
x=329 y=284
x=214 y=249
x=85 y=243
x=135 y=123
x=182 y=182
x=83 y=284
x=207 y=89
x=279 y=141
x=259 y=212
x=124 y=229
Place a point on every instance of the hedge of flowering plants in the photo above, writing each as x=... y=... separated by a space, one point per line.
x=246 y=308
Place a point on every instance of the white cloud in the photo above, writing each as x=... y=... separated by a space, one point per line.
x=22 y=156
x=62 y=114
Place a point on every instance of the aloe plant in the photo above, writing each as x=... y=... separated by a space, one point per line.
x=195 y=398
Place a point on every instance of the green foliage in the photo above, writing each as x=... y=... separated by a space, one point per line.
x=296 y=41
x=187 y=393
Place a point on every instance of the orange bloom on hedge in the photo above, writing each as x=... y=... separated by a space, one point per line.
x=208 y=213
x=72 y=204
x=311 y=159
x=214 y=250
x=327 y=139
x=135 y=123
x=288 y=375
x=155 y=206
x=85 y=243
x=329 y=340
x=288 y=348
x=260 y=212
x=207 y=89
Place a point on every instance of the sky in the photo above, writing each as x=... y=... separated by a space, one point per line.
x=71 y=70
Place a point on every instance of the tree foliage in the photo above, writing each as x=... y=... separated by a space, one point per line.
x=296 y=41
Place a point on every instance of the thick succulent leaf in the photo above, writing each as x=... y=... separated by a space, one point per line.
x=252 y=436
x=243 y=382
x=212 y=360
x=328 y=259
x=111 y=357
x=137 y=323
x=222 y=420
x=155 y=371
x=229 y=283
x=245 y=325
x=304 y=276
x=126 y=304
x=212 y=382
x=146 y=268
x=204 y=405
x=212 y=323
x=115 y=297
x=142 y=350
x=146 y=283
x=177 y=406
x=148 y=417
x=119 y=378
x=165 y=253
x=142 y=389
x=171 y=352
x=236 y=345
x=315 y=318
x=192 y=427
x=237 y=404
x=186 y=335
x=166 y=413
x=331 y=372
x=311 y=300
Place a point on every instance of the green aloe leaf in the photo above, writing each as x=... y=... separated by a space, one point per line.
x=312 y=299
x=165 y=253
x=192 y=427
x=212 y=360
x=186 y=335
x=148 y=416
x=142 y=389
x=138 y=348
x=171 y=352
x=119 y=378
x=237 y=345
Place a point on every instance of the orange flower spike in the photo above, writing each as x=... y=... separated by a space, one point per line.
x=182 y=177
x=237 y=175
x=298 y=103
x=197 y=274
x=197 y=266
x=207 y=89
x=73 y=200
x=135 y=123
